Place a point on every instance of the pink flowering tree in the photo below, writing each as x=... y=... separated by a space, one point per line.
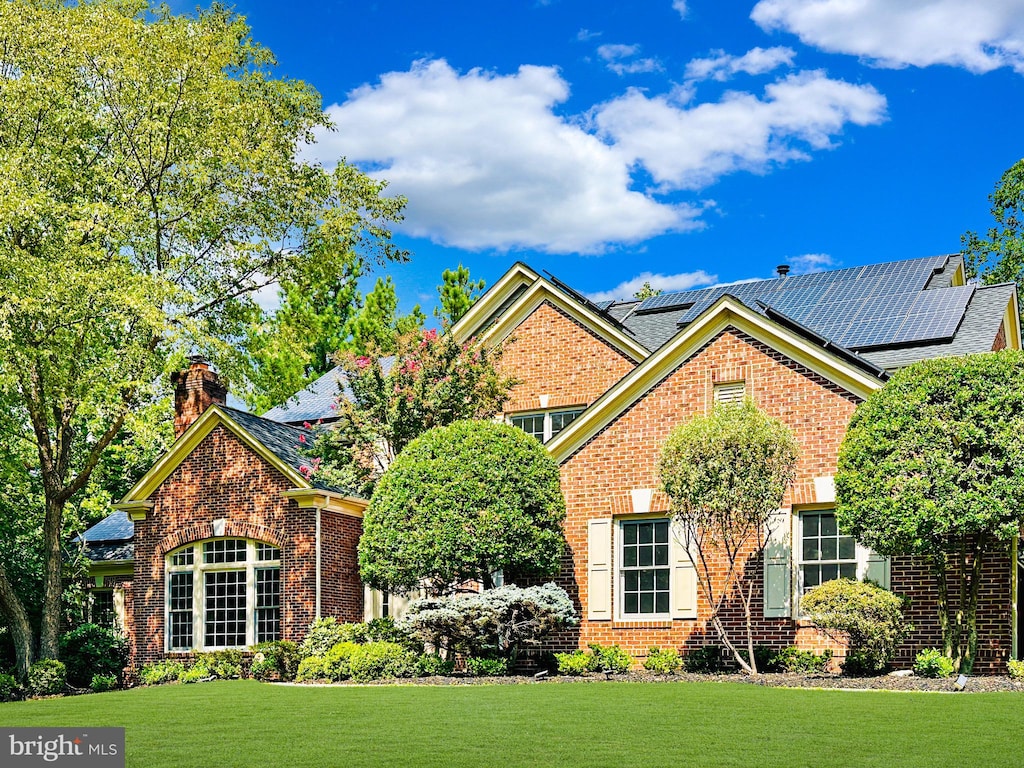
x=431 y=380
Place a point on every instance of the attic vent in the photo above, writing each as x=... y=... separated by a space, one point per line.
x=732 y=392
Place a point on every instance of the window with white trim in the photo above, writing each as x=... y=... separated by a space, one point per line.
x=644 y=573
x=730 y=392
x=544 y=425
x=223 y=593
x=825 y=553
x=101 y=608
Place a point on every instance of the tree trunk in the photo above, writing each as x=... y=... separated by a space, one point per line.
x=971 y=617
x=938 y=562
x=49 y=631
x=17 y=620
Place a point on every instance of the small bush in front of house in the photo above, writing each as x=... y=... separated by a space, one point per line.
x=706 y=660
x=47 y=677
x=931 y=663
x=431 y=665
x=767 y=658
x=9 y=688
x=610 y=658
x=223 y=665
x=387 y=631
x=102 y=683
x=574 y=663
x=324 y=634
x=276 y=660
x=91 y=650
x=792 y=659
x=482 y=666
x=333 y=665
x=159 y=672
x=868 y=617
x=661 y=662
x=380 y=660
x=198 y=672
x=1015 y=669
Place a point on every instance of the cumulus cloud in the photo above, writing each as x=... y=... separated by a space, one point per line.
x=689 y=147
x=978 y=36
x=679 y=6
x=721 y=66
x=622 y=59
x=807 y=263
x=683 y=281
x=486 y=163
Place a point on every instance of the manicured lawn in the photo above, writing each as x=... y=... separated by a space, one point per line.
x=245 y=723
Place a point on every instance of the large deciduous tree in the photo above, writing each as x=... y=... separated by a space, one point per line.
x=933 y=465
x=149 y=183
x=998 y=257
x=726 y=475
x=459 y=504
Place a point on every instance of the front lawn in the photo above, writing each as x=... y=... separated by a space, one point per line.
x=244 y=723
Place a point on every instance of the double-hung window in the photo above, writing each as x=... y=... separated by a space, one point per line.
x=544 y=425
x=644 y=573
x=223 y=593
x=825 y=553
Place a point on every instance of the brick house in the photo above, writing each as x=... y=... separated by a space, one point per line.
x=233 y=543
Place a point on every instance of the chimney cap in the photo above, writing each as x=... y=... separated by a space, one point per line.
x=782 y=270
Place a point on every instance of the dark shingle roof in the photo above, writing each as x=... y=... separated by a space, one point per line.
x=313 y=403
x=114 y=527
x=109 y=553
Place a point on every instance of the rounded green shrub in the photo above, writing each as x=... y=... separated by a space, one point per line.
x=609 y=658
x=931 y=663
x=47 y=677
x=159 y=672
x=333 y=665
x=1015 y=669
x=482 y=666
x=574 y=663
x=706 y=660
x=91 y=650
x=276 y=660
x=377 y=661
x=101 y=683
x=430 y=665
x=667 y=662
x=9 y=688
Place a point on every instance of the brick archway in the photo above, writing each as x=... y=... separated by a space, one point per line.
x=202 y=531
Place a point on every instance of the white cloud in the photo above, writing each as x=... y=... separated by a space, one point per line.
x=679 y=6
x=691 y=147
x=684 y=281
x=978 y=35
x=585 y=35
x=721 y=66
x=486 y=163
x=807 y=263
x=621 y=59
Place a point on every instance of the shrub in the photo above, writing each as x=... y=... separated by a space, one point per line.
x=1015 y=669
x=610 y=658
x=706 y=660
x=47 y=677
x=198 y=673
x=324 y=634
x=101 y=683
x=93 y=650
x=387 y=631
x=430 y=664
x=379 y=660
x=793 y=659
x=335 y=664
x=663 y=662
x=767 y=658
x=9 y=688
x=311 y=668
x=223 y=665
x=575 y=663
x=481 y=666
x=161 y=672
x=871 y=618
x=931 y=663
x=277 y=660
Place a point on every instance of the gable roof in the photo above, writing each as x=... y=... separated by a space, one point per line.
x=314 y=403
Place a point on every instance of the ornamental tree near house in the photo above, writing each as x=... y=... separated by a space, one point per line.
x=933 y=465
x=459 y=504
x=726 y=474
x=151 y=183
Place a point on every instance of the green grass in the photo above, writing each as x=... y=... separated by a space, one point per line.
x=245 y=723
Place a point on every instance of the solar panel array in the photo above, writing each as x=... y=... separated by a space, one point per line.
x=860 y=307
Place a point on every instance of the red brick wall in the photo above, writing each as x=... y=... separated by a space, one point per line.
x=598 y=478
x=554 y=355
x=1000 y=340
x=341 y=589
x=223 y=478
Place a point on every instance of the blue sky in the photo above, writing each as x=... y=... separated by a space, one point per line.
x=695 y=141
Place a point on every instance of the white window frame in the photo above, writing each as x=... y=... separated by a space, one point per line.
x=620 y=569
x=547 y=416
x=862 y=553
x=198 y=568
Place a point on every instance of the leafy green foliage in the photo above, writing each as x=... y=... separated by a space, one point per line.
x=275 y=660
x=377 y=327
x=487 y=666
x=460 y=503
x=610 y=658
x=999 y=257
x=324 y=633
x=9 y=688
x=933 y=465
x=90 y=650
x=158 y=672
x=792 y=659
x=574 y=663
x=381 y=660
x=869 y=618
x=931 y=663
x=457 y=294
x=647 y=291
x=103 y=683
x=47 y=677
x=1015 y=669
x=431 y=665
x=706 y=660
x=426 y=381
x=497 y=622
x=726 y=474
x=667 y=662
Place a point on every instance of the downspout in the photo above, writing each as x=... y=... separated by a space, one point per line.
x=317 y=562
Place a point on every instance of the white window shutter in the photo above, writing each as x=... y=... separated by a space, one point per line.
x=778 y=591
x=120 y=613
x=684 y=576
x=599 y=569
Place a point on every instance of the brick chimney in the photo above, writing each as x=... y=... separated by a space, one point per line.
x=195 y=390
